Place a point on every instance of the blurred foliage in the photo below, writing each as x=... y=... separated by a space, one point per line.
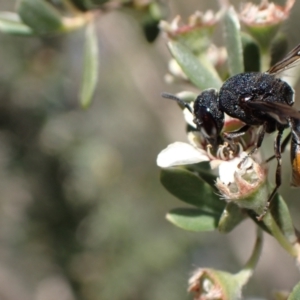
x=82 y=211
x=49 y=18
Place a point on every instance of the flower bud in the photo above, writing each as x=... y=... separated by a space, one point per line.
x=264 y=20
x=249 y=188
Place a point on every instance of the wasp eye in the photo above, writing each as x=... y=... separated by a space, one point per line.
x=207 y=125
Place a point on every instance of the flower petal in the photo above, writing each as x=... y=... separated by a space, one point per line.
x=195 y=138
x=188 y=116
x=180 y=154
x=227 y=170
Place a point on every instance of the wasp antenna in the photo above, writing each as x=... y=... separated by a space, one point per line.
x=180 y=101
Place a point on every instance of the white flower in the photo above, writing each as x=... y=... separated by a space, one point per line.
x=239 y=176
x=265 y=13
x=225 y=159
x=179 y=153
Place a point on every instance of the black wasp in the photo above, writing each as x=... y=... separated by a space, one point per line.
x=257 y=99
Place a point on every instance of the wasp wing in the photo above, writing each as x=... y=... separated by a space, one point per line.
x=278 y=111
x=290 y=61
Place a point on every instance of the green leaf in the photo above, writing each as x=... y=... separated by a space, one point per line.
x=11 y=23
x=40 y=16
x=277 y=222
x=199 y=70
x=279 y=48
x=193 y=219
x=203 y=169
x=90 y=67
x=261 y=224
x=251 y=53
x=295 y=294
x=189 y=188
x=274 y=229
x=282 y=217
x=230 y=218
x=233 y=41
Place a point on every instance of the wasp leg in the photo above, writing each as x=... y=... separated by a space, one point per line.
x=283 y=146
x=277 y=150
x=260 y=139
x=236 y=133
x=229 y=136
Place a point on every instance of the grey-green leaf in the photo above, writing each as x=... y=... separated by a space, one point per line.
x=199 y=70
x=295 y=294
x=41 y=16
x=230 y=218
x=281 y=215
x=282 y=218
x=203 y=169
x=251 y=53
x=191 y=189
x=233 y=41
x=11 y=23
x=193 y=219
x=90 y=66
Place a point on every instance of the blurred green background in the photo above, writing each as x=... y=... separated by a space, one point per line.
x=81 y=206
